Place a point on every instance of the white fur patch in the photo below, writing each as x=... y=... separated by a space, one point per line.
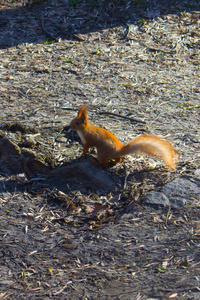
x=81 y=137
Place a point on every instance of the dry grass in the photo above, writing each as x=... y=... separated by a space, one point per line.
x=63 y=238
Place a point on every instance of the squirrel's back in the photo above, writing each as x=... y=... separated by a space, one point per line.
x=110 y=148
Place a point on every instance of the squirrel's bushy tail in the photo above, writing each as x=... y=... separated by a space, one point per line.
x=152 y=145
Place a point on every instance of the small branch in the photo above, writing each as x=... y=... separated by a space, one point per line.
x=48 y=33
x=132 y=119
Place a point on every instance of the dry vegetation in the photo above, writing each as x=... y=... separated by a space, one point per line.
x=65 y=236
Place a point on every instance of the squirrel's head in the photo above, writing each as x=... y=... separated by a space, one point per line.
x=80 y=122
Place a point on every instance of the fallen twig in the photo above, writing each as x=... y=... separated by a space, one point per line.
x=132 y=119
x=48 y=33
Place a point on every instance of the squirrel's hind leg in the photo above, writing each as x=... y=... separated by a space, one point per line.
x=116 y=160
x=105 y=162
x=85 y=150
x=100 y=163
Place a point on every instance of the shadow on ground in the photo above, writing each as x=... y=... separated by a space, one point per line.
x=36 y=22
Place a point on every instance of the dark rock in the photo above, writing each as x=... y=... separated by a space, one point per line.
x=84 y=169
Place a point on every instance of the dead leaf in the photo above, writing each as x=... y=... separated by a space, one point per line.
x=101 y=211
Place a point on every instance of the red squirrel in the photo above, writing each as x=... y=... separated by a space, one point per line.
x=109 y=148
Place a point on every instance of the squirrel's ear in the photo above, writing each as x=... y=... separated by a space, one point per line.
x=82 y=113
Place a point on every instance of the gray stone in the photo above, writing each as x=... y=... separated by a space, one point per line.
x=175 y=193
x=180 y=187
x=177 y=201
x=160 y=199
x=156 y=198
x=197 y=173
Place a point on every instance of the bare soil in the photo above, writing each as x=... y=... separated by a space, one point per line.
x=71 y=230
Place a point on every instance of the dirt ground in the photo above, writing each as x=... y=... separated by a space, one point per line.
x=71 y=230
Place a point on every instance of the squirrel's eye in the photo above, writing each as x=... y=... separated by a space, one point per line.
x=77 y=123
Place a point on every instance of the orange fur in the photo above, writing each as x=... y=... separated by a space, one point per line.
x=110 y=148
